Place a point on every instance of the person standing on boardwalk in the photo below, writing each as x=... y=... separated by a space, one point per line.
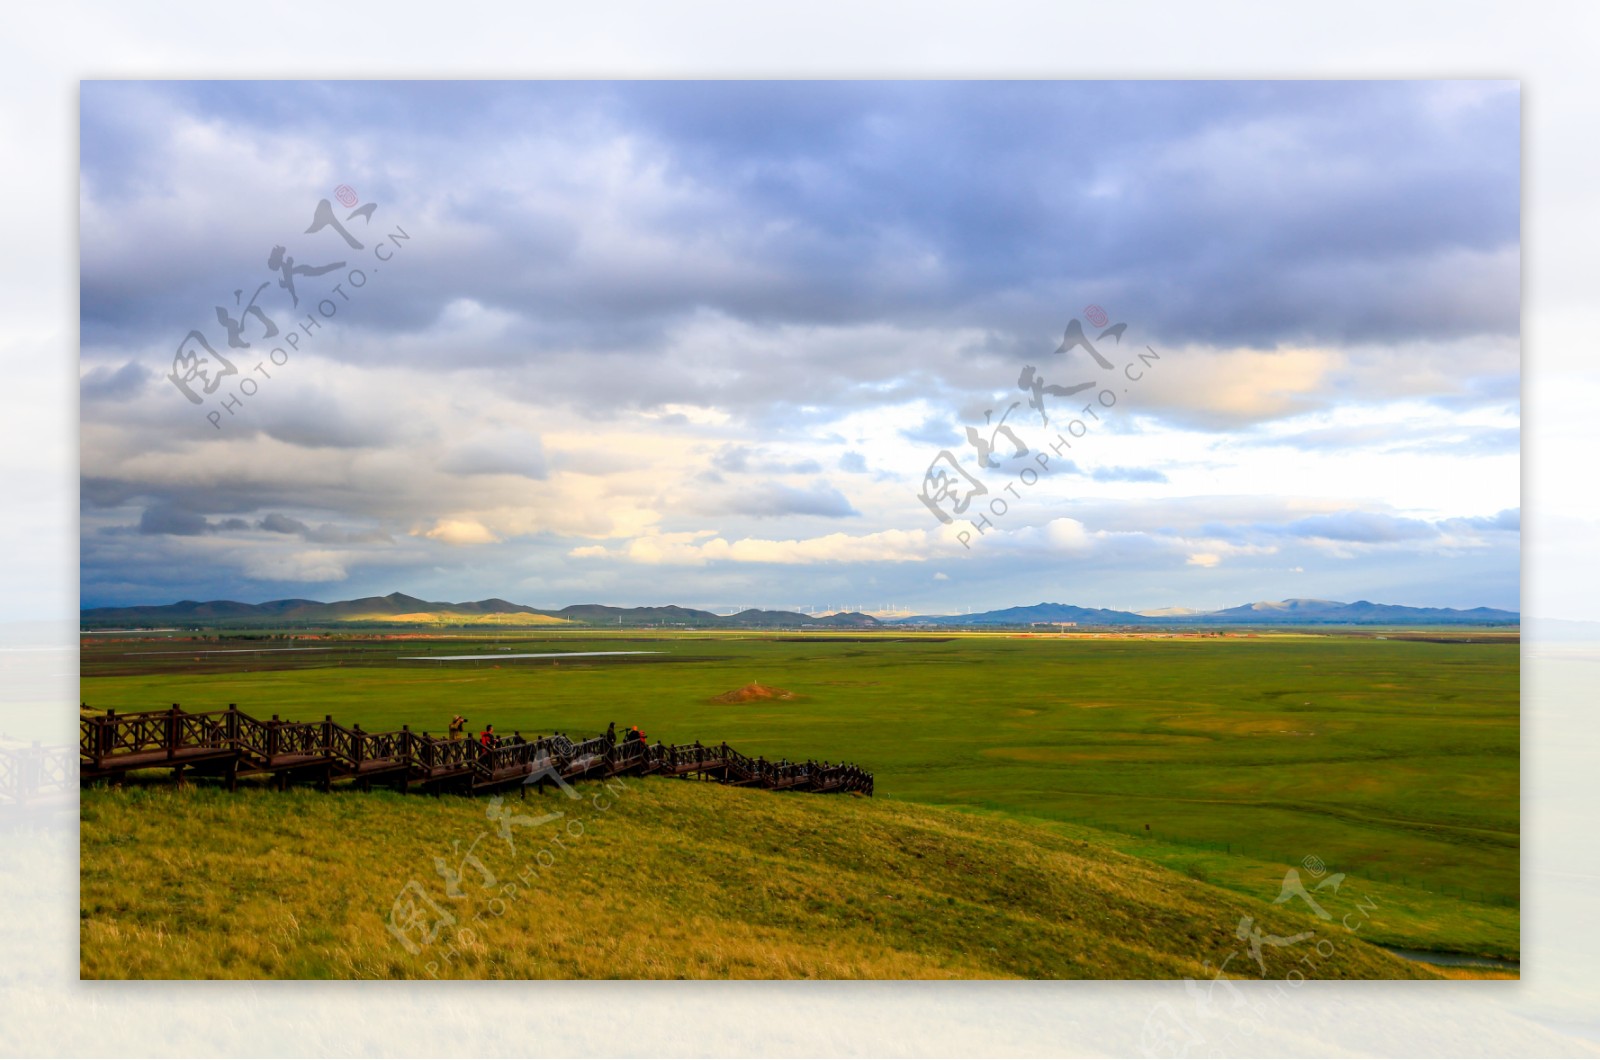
x=458 y=727
x=487 y=737
x=611 y=733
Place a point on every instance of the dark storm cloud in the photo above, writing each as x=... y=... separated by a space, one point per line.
x=282 y=524
x=1246 y=213
x=774 y=500
x=166 y=518
x=104 y=383
x=182 y=499
x=750 y=459
x=1220 y=213
x=1360 y=527
x=169 y=519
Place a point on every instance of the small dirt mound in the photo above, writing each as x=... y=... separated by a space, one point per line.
x=752 y=692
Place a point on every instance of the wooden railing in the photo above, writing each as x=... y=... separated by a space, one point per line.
x=31 y=774
x=232 y=743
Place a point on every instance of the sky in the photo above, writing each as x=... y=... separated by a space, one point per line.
x=743 y=344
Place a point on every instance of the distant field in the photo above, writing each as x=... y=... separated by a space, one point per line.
x=1229 y=759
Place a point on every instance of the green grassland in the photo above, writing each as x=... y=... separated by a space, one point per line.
x=651 y=879
x=1217 y=763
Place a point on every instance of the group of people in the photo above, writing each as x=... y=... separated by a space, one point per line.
x=488 y=738
x=633 y=735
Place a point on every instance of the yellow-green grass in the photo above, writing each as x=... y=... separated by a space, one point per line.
x=656 y=878
x=1227 y=759
x=457 y=618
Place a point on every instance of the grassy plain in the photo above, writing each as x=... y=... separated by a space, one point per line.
x=1226 y=759
x=650 y=879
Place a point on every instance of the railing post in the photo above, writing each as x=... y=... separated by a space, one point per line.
x=172 y=733
x=28 y=771
x=104 y=735
x=272 y=737
x=327 y=735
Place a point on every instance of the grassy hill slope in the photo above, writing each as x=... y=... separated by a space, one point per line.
x=651 y=879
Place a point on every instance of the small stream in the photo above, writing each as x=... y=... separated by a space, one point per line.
x=1455 y=960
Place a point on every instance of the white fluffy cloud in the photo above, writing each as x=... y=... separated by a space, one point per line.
x=698 y=548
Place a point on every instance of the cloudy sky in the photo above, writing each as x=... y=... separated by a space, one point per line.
x=702 y=343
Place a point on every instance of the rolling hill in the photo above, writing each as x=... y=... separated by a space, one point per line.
x=651 y=879
x=400 y=609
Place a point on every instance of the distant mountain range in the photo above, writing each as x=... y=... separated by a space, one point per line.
x=397 y=609
x=1265 y=613
x=1024 y=616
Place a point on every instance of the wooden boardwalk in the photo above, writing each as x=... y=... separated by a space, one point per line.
x=230 y=744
